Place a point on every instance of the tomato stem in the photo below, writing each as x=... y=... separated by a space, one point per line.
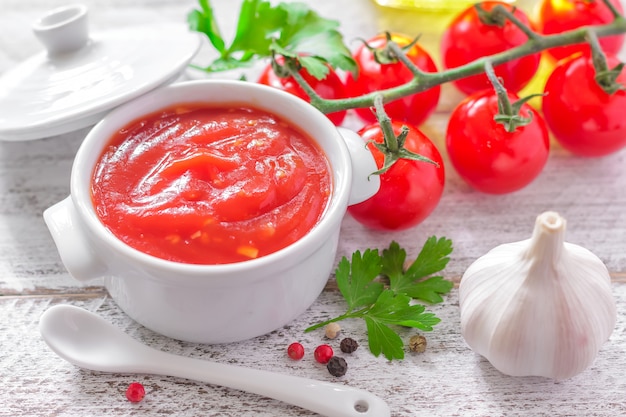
x=401 y=56
x=508 y=113
x=598 y=56
x=424 y=80
x=504 y=104
x=503 y=11
x=393 y=146
x=490 y=18
x=391 y=141
x=294 y=71
x=605 y=77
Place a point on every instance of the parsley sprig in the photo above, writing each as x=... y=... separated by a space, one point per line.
x=382 y=306
x=292 y=30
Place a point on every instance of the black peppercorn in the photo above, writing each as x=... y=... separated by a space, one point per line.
x=348 y=345
x=337 y=366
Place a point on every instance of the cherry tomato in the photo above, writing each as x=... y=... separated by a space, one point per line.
x=409 y=190
x=582 y=117
x=467 y=38
x=485 y=155
x=330 y=87
x=373 y=76
x=556 y=16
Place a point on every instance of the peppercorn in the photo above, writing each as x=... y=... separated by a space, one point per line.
x=323 y=353
x=295 y=351
x=332 y=330
x=417 y=343
x=337 y=366
x=135 y=392
x=348 y=345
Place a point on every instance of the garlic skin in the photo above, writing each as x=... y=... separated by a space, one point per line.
x=538 y=307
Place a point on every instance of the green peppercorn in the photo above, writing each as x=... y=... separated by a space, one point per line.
x=337 y=366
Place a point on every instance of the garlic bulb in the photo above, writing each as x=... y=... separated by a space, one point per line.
x=540 y=306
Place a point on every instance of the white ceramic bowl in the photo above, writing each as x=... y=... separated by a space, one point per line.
x=212 y=303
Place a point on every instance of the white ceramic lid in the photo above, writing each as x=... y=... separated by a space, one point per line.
x=79 y=78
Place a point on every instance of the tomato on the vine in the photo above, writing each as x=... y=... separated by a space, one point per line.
x=585 y=119
x=331 y=87
x=556 y=16
x=468 y=38
x=409 y=190
x=374 y=76
x=486 y=155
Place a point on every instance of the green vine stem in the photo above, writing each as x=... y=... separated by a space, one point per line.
x=393 y=146
x=391 y=141
x=509 y=114
x=424 y=80
x=292 y=67
x=503 y=99
x=605 y=77
x=501 y=11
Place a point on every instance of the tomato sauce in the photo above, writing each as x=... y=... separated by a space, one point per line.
x=204 y=185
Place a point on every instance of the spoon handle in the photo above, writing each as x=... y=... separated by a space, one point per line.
x=326 y=398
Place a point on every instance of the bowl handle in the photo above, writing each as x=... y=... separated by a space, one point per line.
x=77 y=253
x=364 y=185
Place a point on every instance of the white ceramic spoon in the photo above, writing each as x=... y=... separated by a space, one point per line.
x=86 y=340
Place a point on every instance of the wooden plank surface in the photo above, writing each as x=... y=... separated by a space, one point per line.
x=447 y=380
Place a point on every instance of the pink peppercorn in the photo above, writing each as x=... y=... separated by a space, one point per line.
x=295 y=351
x=135 y=392
x=323 y=353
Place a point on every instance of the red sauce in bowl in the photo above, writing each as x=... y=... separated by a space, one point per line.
x=204 y=185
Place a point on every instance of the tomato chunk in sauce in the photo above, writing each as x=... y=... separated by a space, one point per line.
x=204 y=185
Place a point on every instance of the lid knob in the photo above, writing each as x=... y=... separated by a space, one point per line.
x=63 y=29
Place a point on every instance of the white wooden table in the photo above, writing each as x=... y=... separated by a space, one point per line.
x=447 y=380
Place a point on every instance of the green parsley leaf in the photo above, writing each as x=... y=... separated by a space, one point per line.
x=290 y=29
x=314 y=66
x=432 y=258
x=394 y=309
x=258 y=23
x=393 y=263
x=203 y=21
x=315 y=38
x=391 y=308
x=382 y=339
x=356 y=279
x=430 y=290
